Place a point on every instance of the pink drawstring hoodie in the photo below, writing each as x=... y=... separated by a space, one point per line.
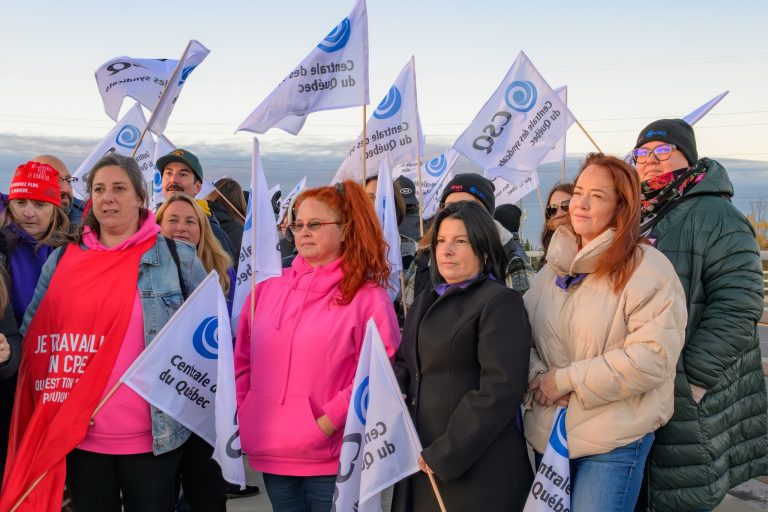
x=297 y=362
x=124 y=425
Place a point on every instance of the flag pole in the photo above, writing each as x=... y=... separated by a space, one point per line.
x=170 y=80
x=365 y=136
x=421 y=199
x=588 y=136
x=40 y=478
x=562 y=174
x=402 y=294
x=437 y=492
x=228 y=202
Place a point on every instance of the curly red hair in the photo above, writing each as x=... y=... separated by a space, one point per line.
x=363 y=251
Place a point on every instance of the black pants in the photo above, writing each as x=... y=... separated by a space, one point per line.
x=147 y=482
x=201 y=482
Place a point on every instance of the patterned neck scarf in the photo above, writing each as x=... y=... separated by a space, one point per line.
x=658 y=194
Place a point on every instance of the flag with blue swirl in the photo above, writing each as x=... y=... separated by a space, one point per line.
x=551 y=490
x=333 y=75
x=385 y=211
x=517 y=126
x=394 y=129
x=147 y=81
x=380 y=445
x=435 y=173
x=188 y=372
x=162 y=148
x=121 y=140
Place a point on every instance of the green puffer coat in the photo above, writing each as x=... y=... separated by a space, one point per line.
x=710 y=447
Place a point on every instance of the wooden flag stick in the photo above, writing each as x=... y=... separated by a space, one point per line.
x=365 y=136
x=31 y=488
x=402 y=294
x=420 y=187
x=589 y=136
x=437 y=492
x=562 y=175
x=228 y=202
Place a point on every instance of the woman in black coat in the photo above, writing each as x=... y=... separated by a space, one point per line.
x=463 y=368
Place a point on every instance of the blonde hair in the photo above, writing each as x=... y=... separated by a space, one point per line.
x=209 y=250
x=57 y=233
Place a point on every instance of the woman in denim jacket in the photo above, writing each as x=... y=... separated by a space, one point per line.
x=129 y=452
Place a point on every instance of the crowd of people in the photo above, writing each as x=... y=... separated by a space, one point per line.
x=641 y=320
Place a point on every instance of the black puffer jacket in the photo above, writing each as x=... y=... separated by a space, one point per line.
x=713 y=445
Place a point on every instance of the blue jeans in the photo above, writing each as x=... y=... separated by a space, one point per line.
x=609 y=482
x=300 y=493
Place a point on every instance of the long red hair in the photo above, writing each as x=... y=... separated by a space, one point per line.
x=363 y=251
x=623 y=256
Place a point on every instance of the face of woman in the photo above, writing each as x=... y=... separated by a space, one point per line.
x=370 y=190
x=323 y=245
x=594 y=202
x=180 y=222
x=561 y=217
x=115 y=202
x=456 y=260
x=34 y=217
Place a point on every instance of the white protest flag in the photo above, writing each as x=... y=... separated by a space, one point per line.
x=193 y=55
x=433 y=174
x=188 y=373
x=557 y=153
x=511 y=192
x=386 y=211
x=287 y=200
x=551 y=490
x=518 y=125
x=143 y=79
x=394 y=129
x=259 y=254
x=206 y=188
x=333 y=75
x=121 y=140
x=163 y=147
x=380 y=444
x=700 y=112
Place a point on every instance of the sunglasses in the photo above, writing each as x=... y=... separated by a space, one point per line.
x=312 y=225
x=663 y=152
x=551 y=209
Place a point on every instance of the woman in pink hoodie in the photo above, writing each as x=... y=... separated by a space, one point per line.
x=297 y=352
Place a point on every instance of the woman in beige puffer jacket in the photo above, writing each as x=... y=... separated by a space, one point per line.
x=608 y=316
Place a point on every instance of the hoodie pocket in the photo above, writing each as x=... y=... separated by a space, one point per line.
x=288 y=430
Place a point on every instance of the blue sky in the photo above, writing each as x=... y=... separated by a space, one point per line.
x=626 y=64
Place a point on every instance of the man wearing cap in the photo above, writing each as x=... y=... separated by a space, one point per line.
x=181 y=172
x=72 y=206
x=410 y=225
x=471 y=187
x=718 y=435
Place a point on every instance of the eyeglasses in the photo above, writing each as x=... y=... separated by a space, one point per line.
x=69 y=179
x=551 y=209
x=312 y=225
x=663 y=152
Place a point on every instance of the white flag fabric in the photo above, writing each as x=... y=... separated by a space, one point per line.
x=393 y=129
x=557 y=153
x=434 y=173
x=188 y=373
x=700 y=112
x=206 y=188
x=380 y=444
x=287 y=200
x=518 y=125
x=386 y=211
x=551 y=490
x=144 y=80
x=511 y=192
x=333 y=75
x=163 y=147
x=121 y=140
x=193 y=55
x=259 y=253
